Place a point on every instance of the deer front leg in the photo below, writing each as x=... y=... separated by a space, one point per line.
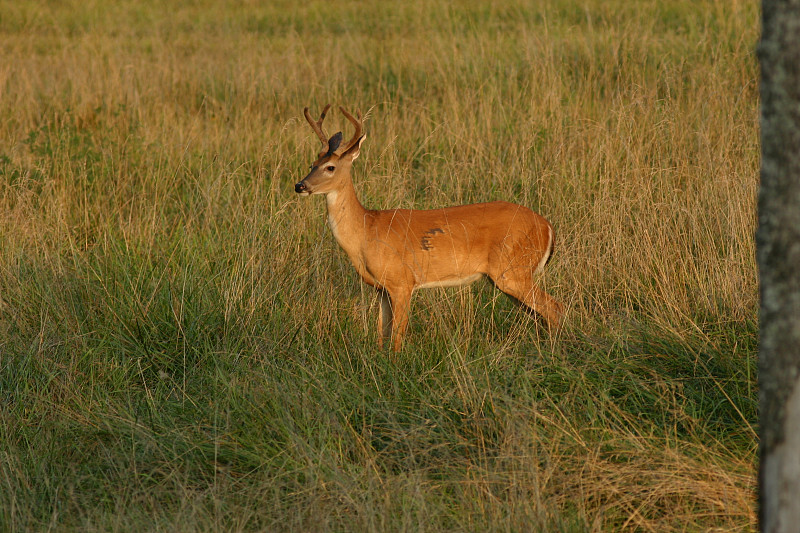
x=384 y=317
x=400 y=302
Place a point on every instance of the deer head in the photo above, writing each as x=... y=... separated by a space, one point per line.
x=335 y=159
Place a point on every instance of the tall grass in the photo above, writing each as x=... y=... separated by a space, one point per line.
x=185 y=348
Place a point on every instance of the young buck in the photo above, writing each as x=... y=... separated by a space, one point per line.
x=400 y=250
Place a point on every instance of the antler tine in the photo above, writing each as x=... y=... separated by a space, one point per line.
x=357 y=123
x=317 y=126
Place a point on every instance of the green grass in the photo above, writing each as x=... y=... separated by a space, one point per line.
x=184 y=347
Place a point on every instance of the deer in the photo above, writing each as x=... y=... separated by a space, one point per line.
x=398 y=251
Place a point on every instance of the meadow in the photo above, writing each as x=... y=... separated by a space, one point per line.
x=184 y=347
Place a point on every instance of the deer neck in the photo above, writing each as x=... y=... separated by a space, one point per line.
x=346 y=217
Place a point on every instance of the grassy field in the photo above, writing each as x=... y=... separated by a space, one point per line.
x=185 y=348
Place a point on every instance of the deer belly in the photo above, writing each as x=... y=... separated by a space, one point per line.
x=450 y=282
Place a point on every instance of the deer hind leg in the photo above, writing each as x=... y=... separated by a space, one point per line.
x=519 y=284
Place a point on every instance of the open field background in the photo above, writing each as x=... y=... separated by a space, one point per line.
x=184 y=347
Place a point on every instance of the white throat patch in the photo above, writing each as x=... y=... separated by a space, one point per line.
x=330 y=199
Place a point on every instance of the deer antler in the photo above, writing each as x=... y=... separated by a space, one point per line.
x=359 y=125
x=317 y=126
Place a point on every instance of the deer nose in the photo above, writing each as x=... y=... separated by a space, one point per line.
x=300 y=187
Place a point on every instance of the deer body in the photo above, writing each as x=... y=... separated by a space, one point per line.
x=400 y=250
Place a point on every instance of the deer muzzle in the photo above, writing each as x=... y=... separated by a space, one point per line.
x=301 y=188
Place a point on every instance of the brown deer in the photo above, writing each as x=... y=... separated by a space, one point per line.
x=400 y=250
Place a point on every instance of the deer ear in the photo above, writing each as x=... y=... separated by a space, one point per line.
x=334 y=142
x=353 y=152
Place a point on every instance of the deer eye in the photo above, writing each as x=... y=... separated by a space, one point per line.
x=330 y=168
